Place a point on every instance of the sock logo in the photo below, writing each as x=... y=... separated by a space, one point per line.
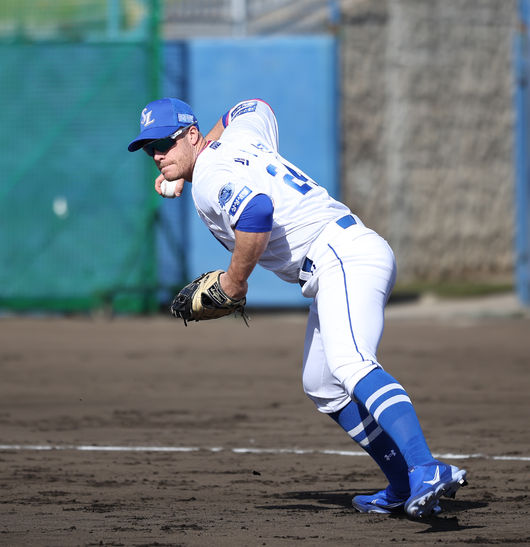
x=390 y=454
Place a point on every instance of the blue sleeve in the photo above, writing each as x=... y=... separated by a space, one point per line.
x=257 y=215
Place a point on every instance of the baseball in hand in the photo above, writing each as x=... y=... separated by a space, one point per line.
x=167 y=188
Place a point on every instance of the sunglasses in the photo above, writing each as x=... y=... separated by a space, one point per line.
x=164 y=144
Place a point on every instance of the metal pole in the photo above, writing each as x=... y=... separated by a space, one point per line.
x=113 y=18
x=154 y=45
x=522 y=153
x=239 y=17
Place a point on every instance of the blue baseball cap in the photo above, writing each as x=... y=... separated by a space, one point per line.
x=161 y=118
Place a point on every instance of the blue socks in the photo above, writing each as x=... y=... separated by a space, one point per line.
x=385 y=425
x=363 y=429
x=390 y=406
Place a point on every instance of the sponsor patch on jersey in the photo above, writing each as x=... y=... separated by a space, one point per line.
x=239 y=199
x=243 y=108
x=215 y=145
x=225 y=193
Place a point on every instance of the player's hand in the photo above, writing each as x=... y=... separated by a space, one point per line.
x=168 y=189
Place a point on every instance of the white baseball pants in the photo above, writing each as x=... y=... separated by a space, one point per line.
x=353 y=273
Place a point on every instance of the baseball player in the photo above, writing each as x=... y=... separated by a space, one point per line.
x=267 y=211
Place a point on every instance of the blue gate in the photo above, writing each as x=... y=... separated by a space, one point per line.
x=297 y=76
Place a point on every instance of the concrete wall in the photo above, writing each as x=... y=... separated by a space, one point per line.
x=427 y=153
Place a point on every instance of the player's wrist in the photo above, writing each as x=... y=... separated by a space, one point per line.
x=235 y=289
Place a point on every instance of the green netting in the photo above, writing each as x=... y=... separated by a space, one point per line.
x=76 y=210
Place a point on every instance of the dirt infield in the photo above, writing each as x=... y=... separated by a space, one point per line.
x=252 y=469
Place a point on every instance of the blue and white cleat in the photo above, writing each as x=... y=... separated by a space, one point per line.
x=428 y=483
x=384 y=502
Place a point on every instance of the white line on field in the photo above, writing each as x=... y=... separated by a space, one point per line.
x=297 y=451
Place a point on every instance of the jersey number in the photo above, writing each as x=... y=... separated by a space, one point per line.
x=300 y=184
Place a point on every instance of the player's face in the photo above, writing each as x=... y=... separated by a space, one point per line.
x=173 y=157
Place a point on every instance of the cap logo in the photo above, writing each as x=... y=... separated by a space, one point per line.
x=146 y=117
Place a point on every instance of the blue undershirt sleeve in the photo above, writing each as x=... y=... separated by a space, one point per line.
x=257 y=215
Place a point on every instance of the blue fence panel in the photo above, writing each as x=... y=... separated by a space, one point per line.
x=297 y=77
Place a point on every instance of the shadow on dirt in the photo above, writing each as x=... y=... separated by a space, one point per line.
x=331 y=499
x=447 y=522
x=444 y=524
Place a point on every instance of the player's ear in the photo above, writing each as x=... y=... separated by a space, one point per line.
x=193 y=135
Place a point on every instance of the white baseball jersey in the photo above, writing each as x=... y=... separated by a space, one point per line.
x=246 y=162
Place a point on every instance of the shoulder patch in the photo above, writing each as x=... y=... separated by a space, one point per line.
x=225 y=193
x=243 y=108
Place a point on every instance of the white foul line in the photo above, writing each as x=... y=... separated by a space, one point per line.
x=297 y=451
